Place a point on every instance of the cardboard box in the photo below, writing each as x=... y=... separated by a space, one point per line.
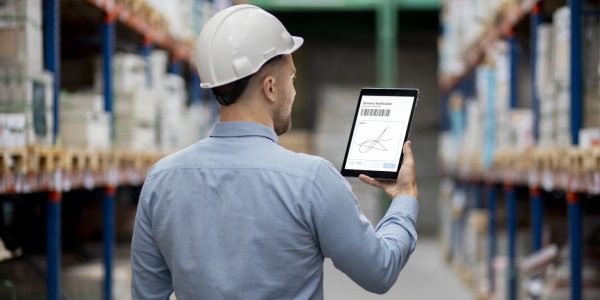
x=137 y=106
x=13 y=12
x=81 y=102
x=135 y=137
x=21 y=35
x=86 y=130
x=562 y=48
x=129 y=73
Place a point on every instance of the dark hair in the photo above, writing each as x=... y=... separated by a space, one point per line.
x=228 y=93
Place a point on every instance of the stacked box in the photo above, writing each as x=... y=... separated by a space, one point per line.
x=591 y=59
x=473 y=137
x=84 y=123
x=136 y=106
x=501 y=90
x=129 y=73
x=21 y=35
x=134 y=101
x=26 y=106
x=135 y=119
x=131 y=136
x=25 y=90
x=562 y=50
x=521 y=129
x=544 y=85
x=174 y=126
x=158 y=66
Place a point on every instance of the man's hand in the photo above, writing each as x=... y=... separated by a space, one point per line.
x=405 y=184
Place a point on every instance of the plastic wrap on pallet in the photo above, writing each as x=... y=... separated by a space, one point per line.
x=29 y=95
x=589 y=137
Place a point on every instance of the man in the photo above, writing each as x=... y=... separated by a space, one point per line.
x=236 y=216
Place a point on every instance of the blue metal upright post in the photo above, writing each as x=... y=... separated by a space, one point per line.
x=51 y=21
x=109 y=238
x=108 y=213
x=536 y=20
x=195 y=92
x=478 y=195
x=51 y=11
x=511 y=197
x=576 y=82
x=511 y=229
x=176 y=67
x=575 y=244
x=537 y=216
x=491 y=196
x=53 y=242
x=537 y=219
x=108 y=49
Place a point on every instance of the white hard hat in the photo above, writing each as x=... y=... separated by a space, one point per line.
x=237 y=41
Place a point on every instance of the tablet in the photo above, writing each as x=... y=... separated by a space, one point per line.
x=379 y=130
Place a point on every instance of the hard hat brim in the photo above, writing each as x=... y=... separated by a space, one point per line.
x=298 y=41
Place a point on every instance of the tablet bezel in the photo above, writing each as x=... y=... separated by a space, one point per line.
x=380 y=92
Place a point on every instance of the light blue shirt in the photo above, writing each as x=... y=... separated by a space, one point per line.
x=236 y=216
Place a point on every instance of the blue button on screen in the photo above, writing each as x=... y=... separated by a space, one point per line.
x=389 y=166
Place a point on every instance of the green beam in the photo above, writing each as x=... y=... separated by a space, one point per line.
x=387 y=36
x=342 y=5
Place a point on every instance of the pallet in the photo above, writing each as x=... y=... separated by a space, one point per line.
x=13 y=160
x=43 y=159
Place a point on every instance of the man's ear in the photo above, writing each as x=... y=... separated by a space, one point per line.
x=268 y=87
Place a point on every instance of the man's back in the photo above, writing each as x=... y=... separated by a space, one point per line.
x=237 y=216
x=230 y=218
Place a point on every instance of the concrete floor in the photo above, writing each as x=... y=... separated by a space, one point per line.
x=425 y=276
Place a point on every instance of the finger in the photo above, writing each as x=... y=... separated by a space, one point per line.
x=408 y=154
x=368 y=180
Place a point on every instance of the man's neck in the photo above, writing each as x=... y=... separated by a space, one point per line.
x=238 y=112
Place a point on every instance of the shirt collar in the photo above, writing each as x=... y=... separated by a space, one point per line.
x=239 y=129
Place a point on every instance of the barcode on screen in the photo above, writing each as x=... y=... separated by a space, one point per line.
x=373 y=112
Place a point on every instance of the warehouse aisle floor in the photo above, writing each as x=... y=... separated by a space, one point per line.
x=426 y=276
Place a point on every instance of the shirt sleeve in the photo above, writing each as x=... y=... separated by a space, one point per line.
x=151 y=278
x=373 y=258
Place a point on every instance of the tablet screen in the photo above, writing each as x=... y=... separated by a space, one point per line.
x=378 y=133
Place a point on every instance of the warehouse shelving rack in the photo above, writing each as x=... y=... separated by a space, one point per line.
x=55 y=170
x=572 y=170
